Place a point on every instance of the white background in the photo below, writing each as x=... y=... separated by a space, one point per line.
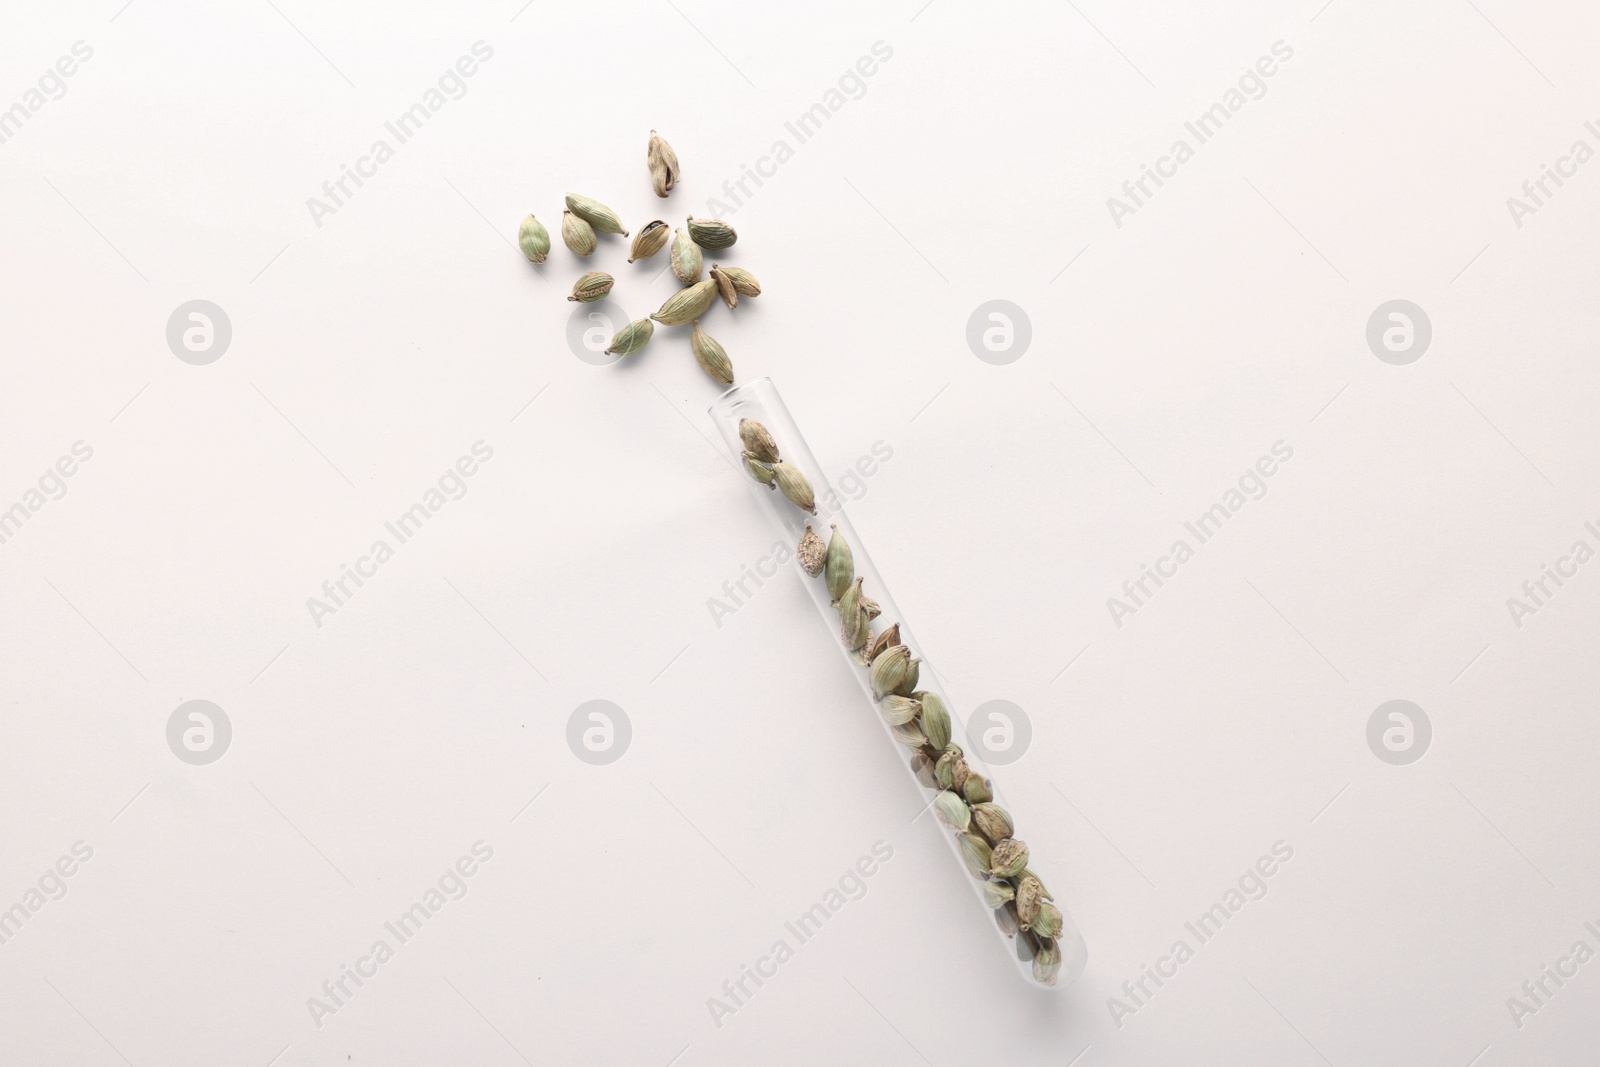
x=1169 y=353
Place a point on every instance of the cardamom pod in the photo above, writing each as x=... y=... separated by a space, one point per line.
x=870 y=609
x=533 y=239
x=631 y=338
x=758 y=442
x=743 y=282
x=977 y=790
x=577 y=235
x=1042 y=890
x=862 y=637
x=686 y=258
x=663 y=163
x=761 y=472
x=793 y=484
x=908 y=684
x=840 y=569
x=898 y=710
x=993 y=822
x=908 y=734
x=1047 y=963
x=951 y=764
x=996 y=894
x=725 y=289
x=935 y=719
x=649 y=241
x=1010 y=858
x=850 y=613
x=811 y=552
x=889 y=670
x=711 y=233
x=687 y=304
x=1005 y=917
x=591 y=287
x=710 y=355
x=975 y=850
x=888 y=639
x=1030 y=894
x=953 y=810
x=922 y=767
x=1049 y=921
x=595 y=214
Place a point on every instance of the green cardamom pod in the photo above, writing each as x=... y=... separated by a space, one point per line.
x=649 y=241
x=595 y=214
x=631 y=338
x=686 y=258
x=1047 y=963
x=935 y=719
x=533 y=239
x=1010 y=858
x=758 y=442
x=687 y=304
x=993 y=822
x=793 y=484
x=975 y=850
x=711 y=233
x=889 y=670
x=591 y=287
x=977 y=790
x=759 y=470
x=951 y=769
x=909 y=734
x=908 y=684
x=811 y=552
x=953 y=810
x=1030 y=894
x=996 y=894
x=663 y=163
x=850 y=613
x=577 y=235
x=898 y=710
x=710 y=355
x=1042 y=890
x=841 y=566
x=888 y=639
x=1049 y=921
x=744 y=283
x=725 y=289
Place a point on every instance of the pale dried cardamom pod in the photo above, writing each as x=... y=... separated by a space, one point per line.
x=758 y=442
x=889 y=670
x=743 y=282
x=850 y=614
x=686 y=258
x=993 y=822
x=996 y=894
x=725 y=289
x=898 y=710
x=1042 y=890
x=710 y=233
x=1047 y=963
x=950 y=762
x=687 y=304
x=710 y=355
x=591 y=287
x=909 y=734
x=631 y=338
x=793 y=484
x=1049 y=921
x=888 y=639
x=870 y=609
x=533 y=239
x=979 y=857
x=577 y=235
x=596 y=214
x=922 y=767
x=977 y=790
x=663 y=163
x=1030 y=894
x=760 y=471
x=649 y=241
x=1005 y=917
x=812 y=552
x=840 y=569
x=953 y=810
x=935 y=719
x=1010 y=858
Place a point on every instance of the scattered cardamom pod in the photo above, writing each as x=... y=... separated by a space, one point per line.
x=889 y=670
x=725 y=289
x=760 y=471
x=935 y=719
x=686 y=258
x=840 y=569
x=663 y=163
x=533 y=239
x=1010 y=858
x=996 y=894
x=758 y=442
x=711 y=233
x=1049 y=921
x=993 y=822
x=631 y=338
x=591 y=287
x=741 y=281
x=1030 y=894
x=649 y=241
x=888 y=639
x=977 y=790
x=793 y=484
x=577 y=235
x=909 y=734
x=850 y=613
x=596 y=214
x=898 y=710
x=812 y=552
x=710 y=355
x=953 y=810
x=1047 y=963
x=687 y=304
x=975 y=850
